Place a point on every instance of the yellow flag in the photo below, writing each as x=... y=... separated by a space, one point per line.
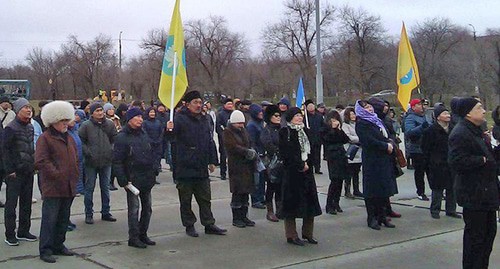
x=407 y=74
x=173 y=48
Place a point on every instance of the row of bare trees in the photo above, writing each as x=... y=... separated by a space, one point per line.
x=359 y=59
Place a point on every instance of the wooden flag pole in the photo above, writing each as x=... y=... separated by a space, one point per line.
x=172 y=97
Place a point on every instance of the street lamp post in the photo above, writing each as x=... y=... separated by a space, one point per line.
x=319 y=75
x=476 y=64
x=120 y=63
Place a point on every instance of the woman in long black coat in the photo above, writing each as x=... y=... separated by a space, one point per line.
x=435 y=149
x=378 y=164
x=334 y=139
x=299 y=193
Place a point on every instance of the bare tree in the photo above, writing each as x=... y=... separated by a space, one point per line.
x=490 y=61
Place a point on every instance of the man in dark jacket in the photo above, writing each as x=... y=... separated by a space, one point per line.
x=19 y=164
x=254 y=129
x=134 y=163
x=220 y=125
x=477 y=184
x=2 y=172
x=315 y=123
x=415 y=124
x=97 y=135
x=56 y=159
x=194 y=155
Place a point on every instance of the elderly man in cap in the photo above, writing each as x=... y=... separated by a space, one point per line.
x=134 y=163
x=56 y=159
x=414 y=125
x=194 y=156
x=471 y=157
x=97 y=135
x=19 y=164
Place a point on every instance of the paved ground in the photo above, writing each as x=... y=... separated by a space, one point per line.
x=345 y=242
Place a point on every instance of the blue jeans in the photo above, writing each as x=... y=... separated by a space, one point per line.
x=91 y=177
x=138 y=227
x=258 y=196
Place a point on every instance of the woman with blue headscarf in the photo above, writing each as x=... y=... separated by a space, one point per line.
x=378 y=161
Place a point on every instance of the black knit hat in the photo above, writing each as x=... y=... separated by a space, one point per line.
x=226 y=100
x=190 y=96
x=438 y=109
x=307 y=102
x=465 y=105
x=270 y=111
x=292 y=112
x=95 y=106
x=131 y=113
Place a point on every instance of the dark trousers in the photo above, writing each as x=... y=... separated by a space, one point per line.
x=335 y=188
x=202 y=194
x=376 y=208
x=291 y=227
x=258 y=196
x=273 y=190
x=55 y=220
x=354 y=169
x=19 y=188
x=138 y=227
x=420 y=166
x=437 y=199
x=315 y=157
x=479 y=235
x=223 y=156
x=239 y=200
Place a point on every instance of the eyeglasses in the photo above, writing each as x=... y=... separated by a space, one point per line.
x=277 y=115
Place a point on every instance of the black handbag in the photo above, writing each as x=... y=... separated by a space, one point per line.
x=351 y=151
x=275 y=169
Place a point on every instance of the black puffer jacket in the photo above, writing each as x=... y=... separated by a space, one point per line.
x=270 y=139
x=476 y=181
x=19 y=148
x=194 y=146
x=2 y=169
x=132 y=159
x=97 y=142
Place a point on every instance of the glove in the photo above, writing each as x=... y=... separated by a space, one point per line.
x=251 y=154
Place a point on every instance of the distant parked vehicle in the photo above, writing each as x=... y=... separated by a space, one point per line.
x=15 y=88
x=383 y=93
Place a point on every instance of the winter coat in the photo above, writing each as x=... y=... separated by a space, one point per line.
x=241 y=170
x=316 y=125
x=155 y=131
x=19 y=148
x=476 y=184
x=56 y=159
x=379 y=180
x=97 y=142
x=435 y=149
x=269 y=137
x=74 y=134
x=116 y=121
x=414 y=128
x=299 y=192
x=350 y=130
x=254 y=129
x=333 y=143
x=2 y=169
x=132 y=159
x=221 y=121
x=6 y=117
x=194 y=146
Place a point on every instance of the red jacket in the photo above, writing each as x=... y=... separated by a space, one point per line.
x=56 y=159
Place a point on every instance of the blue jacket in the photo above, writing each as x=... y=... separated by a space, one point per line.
x=254 y=129
x=414 y=129
x=74 y=133
x=316 y=125
x=194 y=147
x=221 y=121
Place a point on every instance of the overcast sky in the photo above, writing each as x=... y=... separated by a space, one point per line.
x=25 y=24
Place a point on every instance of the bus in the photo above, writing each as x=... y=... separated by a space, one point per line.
x=15 y=88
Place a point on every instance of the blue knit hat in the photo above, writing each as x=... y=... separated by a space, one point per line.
x=131 y=113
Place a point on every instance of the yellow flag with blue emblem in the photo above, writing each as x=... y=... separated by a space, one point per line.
x=173 y=80
x=407 y=74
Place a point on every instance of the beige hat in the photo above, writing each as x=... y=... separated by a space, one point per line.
x=237 y=117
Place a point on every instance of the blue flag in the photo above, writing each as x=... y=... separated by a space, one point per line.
x=301 y=97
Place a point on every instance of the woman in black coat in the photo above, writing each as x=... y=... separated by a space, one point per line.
x=300 y=197
x=334 y=139
x=378 y=164
x=435 y=149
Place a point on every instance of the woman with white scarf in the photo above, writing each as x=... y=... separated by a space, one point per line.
x=300 y=198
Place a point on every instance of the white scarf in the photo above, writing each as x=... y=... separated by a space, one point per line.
x=305 y=147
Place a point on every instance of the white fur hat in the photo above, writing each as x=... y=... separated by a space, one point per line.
x=237 y=117
x=56 y=111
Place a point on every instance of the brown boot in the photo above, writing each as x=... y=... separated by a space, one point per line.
x=270 y=213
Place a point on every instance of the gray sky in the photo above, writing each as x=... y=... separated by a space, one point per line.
x=25 y=24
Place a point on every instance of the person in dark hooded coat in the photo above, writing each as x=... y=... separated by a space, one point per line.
x=300 y=197
x=254 y=128
x=155 y=131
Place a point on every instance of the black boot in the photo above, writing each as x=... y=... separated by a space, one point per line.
x=382 y=217
x=237 y=218
x=355 y=188
x=371 y=211
x=330 y=209
x=246 y=220
x=347 y=190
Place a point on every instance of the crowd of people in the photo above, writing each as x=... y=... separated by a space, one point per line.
x=268 y=152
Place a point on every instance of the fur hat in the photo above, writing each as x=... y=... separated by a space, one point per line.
x=190 y=96
x=291 y=113
x=270 y=111
x=56 y=111
x=19 y=104
x=237 y=117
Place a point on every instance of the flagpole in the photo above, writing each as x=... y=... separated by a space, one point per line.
x=172 y=96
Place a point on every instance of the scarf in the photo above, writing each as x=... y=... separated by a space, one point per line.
x=305 y=147
x=371 y=117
